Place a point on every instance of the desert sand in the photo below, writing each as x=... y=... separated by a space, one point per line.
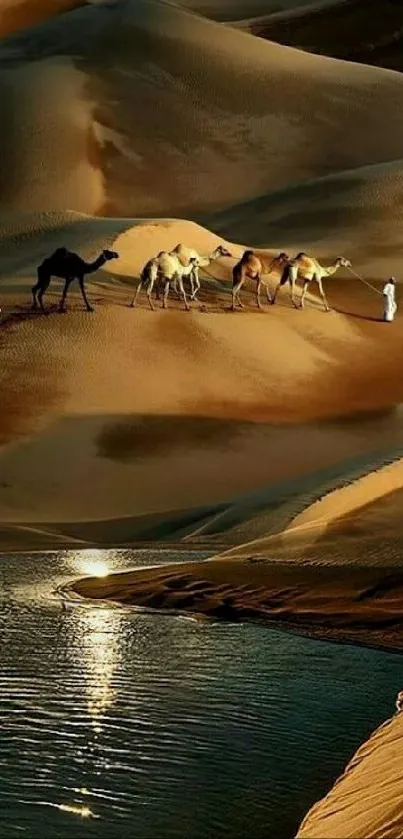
x=165 y=113
x=367 y=799
x=348 y=29
x=272 y=439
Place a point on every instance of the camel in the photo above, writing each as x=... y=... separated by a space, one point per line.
x=157 y=269
x=253 y=267
x=311 y=271
x=69 y=267
x=184 y=255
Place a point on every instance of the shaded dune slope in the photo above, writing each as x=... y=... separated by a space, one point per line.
x=356 y=30
x=231 y=116
x=357 y=213
x=232 y=9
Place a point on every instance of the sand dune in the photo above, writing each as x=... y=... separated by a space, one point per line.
x=19 y=14
x=104 y=409
x=232 y=9
x=357 y=213
x=366 y=801
x=356 y=30
x=221 y=109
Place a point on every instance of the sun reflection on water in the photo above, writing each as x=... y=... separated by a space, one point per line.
x=84 y=812
x=92 y=563
x=100 y=626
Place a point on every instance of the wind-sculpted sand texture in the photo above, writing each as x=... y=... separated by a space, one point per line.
x=366 y=801
x=222 y=110
x=98 y=414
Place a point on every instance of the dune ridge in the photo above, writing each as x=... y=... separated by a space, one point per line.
x=229 y=127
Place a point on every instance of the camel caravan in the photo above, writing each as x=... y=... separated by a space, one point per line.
x=170 y=270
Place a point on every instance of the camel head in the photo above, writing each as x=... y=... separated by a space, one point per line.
x=283 y=257
x=221 y=251
x=343 y=262
x=107 y=255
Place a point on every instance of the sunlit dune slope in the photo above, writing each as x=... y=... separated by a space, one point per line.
x=366 y=800
x=161 y=112
x=105 y=408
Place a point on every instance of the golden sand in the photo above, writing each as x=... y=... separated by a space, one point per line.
x=227 y=431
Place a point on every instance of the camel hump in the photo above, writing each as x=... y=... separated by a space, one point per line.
x=60 y=253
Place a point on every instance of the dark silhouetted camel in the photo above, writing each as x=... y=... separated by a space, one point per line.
x=69 y=267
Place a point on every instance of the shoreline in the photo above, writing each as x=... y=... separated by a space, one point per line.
x=361 y=605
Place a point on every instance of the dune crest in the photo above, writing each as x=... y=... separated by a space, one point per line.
x=154 y=83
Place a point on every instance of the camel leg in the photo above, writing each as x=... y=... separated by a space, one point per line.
x=276 y=291
x=39 y=289
x=166 y=293
x=235 y=295
x=149 y=294
x=34 y=292
x=183 y=293
x=293 y=281
x=195 y=283
x=40 y=299
x=84 y=296
x=304 y=291
x=175 y=286
x=258 y=290
x=268 y=295
x=62 y=306
x=322 y=294
x=134 y=301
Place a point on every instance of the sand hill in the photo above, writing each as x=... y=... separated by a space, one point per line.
x=20 y=14
x=367 y=798
x=348 y=29
x=233 y=9
x=230 y=116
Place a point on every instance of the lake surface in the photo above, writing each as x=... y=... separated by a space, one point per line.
x=117 y=723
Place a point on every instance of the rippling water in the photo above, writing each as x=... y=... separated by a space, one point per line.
x=117 y=723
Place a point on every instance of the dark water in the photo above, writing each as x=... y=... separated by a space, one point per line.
x=115 y=723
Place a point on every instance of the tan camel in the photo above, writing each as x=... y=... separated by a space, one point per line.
x=159 y=269
x=310 y=270
x=253 y=267
x=185 y=254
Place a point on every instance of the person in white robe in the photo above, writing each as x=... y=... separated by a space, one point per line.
x=389 y=301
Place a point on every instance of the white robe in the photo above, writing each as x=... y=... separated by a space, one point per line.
x=389 y=303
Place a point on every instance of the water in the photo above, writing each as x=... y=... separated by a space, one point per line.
x=117 y=723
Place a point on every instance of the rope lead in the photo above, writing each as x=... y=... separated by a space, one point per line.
x=364 y=281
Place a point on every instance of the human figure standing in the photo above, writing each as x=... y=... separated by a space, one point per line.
x=389 y=302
